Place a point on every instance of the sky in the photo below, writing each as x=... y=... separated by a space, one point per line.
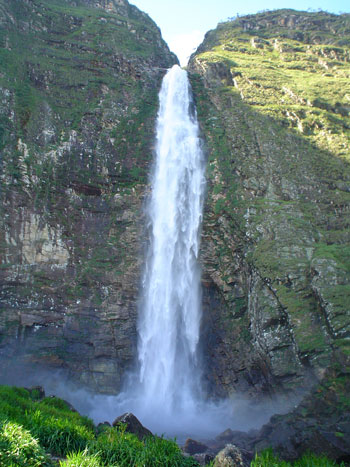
x=184 y=22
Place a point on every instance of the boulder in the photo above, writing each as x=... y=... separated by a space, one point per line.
x=226 y=435
x=133 y=425
x=238 y=438
x=192 y=446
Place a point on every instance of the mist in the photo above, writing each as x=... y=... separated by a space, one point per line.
x=203 y=420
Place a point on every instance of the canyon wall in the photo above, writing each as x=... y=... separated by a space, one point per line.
x=79 y=82
x=273 y=98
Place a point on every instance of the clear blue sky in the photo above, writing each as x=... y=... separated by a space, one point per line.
x=184 y=22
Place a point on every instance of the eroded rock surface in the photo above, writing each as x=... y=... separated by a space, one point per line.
x=276 y=237
x=78 y=91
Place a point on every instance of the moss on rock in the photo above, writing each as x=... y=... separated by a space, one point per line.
x=277 y=125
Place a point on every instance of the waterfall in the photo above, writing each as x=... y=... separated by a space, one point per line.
x=170 y=307
x=165 y=390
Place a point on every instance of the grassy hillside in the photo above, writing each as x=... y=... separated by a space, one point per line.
x=38 y=431
x=292 y=66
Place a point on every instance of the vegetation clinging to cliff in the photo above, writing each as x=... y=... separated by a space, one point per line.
x=273 y=99
x=292 y=66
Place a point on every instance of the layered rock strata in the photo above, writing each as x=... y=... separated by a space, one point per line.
x=272 y=92
x=79 y=83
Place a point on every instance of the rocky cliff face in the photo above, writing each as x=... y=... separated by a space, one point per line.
x=273 y=98
x=78 y=89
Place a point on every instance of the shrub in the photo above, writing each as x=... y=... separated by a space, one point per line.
x=165 y=453
x=60 y=408
x=117 y=447
x=58 y=429
x=19 y=448
x=59 y=435
x=14 y=402
x=267 y=459
x=81 y=459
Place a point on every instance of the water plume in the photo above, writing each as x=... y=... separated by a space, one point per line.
x=170 y=313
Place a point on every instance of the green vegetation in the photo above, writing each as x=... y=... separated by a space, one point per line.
x=32 y=431
x=268 y=459
x=116 y=447
x=291 y=74
x=77 y=68
x=335 y=391
x=50 y=421
x=81 y=459
x=19 y=448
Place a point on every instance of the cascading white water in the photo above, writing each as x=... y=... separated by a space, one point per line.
x=165 y=392
x=170 y=311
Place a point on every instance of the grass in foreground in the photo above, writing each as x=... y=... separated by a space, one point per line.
x=32 y=431
x=268 y=459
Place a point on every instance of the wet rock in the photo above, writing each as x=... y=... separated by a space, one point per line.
x=238 y=438
x=225 y=436
x=192 y=446
x=320 y=424
x=133 y=425
x=274 y=253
